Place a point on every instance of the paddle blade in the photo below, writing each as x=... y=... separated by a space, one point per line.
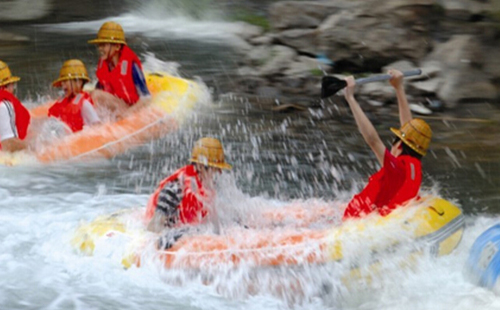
x=330 y=85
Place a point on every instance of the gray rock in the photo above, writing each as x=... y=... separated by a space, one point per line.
x=304 y=66
x=431 y=68
x=281 y=57
x=246 y=31
x=267 y=39
x=491 y=61
x=431 y=86
x=463 y=9
x=241 y=46
x=460 y=58
x=247 y=71
x=401 y=65
x=302 y=14
x=366 y=40
x=380 y=90
x=303 y=40
x=259 y=55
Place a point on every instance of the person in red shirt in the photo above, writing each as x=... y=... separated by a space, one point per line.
x=119 y=71
x=182 y=198
x=14 y=117
x=76 y=108
x=399 y=179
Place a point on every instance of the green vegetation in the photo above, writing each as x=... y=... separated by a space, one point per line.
x=316 y=72
x=252 y=18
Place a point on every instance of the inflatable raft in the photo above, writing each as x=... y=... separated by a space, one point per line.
x=434 y=224
x=483 y=264
x=172 y=98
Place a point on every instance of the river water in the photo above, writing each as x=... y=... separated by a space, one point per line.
x=313 y=158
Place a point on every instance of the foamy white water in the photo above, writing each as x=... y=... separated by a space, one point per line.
x=40 y=211
x=171 y=27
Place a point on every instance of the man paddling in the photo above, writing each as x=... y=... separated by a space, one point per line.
x=399 y=179
x=183 y=198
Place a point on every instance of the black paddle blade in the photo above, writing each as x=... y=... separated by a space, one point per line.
x=330 y=85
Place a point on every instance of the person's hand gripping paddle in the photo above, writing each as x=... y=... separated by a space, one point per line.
x=330 y=85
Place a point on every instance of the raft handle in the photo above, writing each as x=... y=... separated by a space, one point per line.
x=438 y=210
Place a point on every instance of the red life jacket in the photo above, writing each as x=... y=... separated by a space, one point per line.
x=69 y=110
x=191 y=210
x=119 y=81
x=22 y=115
x=382 y=195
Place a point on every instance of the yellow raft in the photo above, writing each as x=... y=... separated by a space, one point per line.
x=172 y=99
x=433 y=223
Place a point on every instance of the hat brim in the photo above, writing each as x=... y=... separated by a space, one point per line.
x=97 y=41
x=225 y=166
x=57 y=83
x=399 y=134
x=12 y=79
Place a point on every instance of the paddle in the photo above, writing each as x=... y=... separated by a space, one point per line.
x=330 y=85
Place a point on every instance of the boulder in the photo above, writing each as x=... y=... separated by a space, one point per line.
x=371 y=41
x=461 y=59
x=401 y=65
x=304 y=66
x=259 y=55
x=382 y=91
x=246 y=31
x=281 y=57
x=303 y=40
x=302 y=14
x=267 y=39
x=431 y=86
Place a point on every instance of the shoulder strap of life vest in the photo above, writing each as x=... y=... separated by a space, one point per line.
x=413 y=180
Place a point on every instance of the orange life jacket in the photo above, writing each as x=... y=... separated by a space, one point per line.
x=191 y=209
x=384 y=195
x=119 y=81
x=22 y=115
x=69 y=110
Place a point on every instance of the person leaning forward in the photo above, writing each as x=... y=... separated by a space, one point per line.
x=399 y=179
x=182 y=198
x=14 y=117
x=121 y=81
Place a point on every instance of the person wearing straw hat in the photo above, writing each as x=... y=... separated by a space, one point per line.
x=182 y=198
x=76 y=108
x=399 y=179
x=121 y=79
x=14 y=117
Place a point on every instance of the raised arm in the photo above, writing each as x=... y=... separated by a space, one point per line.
x=404 y=109
x=364 y=125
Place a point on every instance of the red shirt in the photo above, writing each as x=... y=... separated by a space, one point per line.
x=394 y=184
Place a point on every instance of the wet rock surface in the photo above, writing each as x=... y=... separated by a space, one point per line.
x=453 y=42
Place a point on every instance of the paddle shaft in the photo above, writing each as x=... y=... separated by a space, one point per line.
x=385 y=77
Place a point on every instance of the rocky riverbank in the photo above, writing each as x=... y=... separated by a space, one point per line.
x=455 y=42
